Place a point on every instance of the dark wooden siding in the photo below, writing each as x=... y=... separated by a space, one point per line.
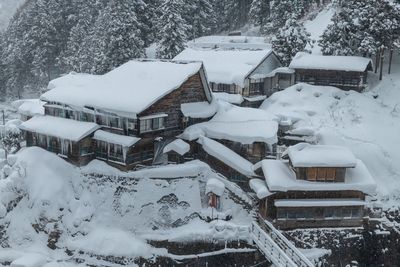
x=190 y=91
x=346 y=80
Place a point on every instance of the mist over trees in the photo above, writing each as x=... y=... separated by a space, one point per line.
x=48 y=38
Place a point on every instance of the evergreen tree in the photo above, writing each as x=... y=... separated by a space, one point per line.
x=173 y=30
x=200 y=18
x=118 y=36
x=290 y=40
x=259 y=12
x=361 y=27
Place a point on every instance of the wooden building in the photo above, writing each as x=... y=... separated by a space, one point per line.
x=251 y=133
x=133 y=112
x=318 y=186
x=238 y=70
x=344 y=72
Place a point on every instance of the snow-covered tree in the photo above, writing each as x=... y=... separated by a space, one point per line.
x=172 y=30
x=200 y=18
x=259 y=12
x=289 y=40
x=361 y=27
x=117 y=35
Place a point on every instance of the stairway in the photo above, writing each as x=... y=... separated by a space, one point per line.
x=276 y=247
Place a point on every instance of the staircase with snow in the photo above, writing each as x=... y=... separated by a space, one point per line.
x=276 y=247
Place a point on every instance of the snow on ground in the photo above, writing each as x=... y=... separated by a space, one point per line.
x=103 y=213
x=357 y=121
x=317 y=26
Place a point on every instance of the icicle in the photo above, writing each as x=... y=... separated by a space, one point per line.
x=124 y=151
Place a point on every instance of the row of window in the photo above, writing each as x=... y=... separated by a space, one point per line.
x=226 y=88
x=320 y=213
x=126 y=124
x=321 y=174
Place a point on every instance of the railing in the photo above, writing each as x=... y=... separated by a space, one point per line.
x=269 y=248
x=290 y=250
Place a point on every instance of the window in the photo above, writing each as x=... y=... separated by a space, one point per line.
x=312 y=174
x=346 y=212
x=321 y=174
x=131 y=124
x=330 y=174
x=147 y=125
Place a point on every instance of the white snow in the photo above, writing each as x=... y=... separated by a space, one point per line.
x=109 y=241
x=59 y=127
x=226 y=66
x=326 y=202
x=214 y=185
x=260 y=188
x=227 y=156
x=229 y=42
x=306 y=155
x=230 y=98
x=318 y=25
x=130 y=88
x=238 y=124
x=340 y=63
x=280 y=177
x=188 y=169
x=29 y=107
x=282 y=70
x=199 y=109
x=123 y=140
x=367 y=126
x=29 y=260
x=179 y=146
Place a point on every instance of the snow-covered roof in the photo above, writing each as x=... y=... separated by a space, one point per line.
x=306 y=155
x=229 y=42
x=118 y=139
x=130 y=88
x=319 y=62
x=199 y=109
x=230 y=66
x=260 y=188
x=178 y=145
x=326 y=202
x=29 y=107
x=237 y=124
x=230 y=98
x=215 y=186
x=59 y=127
x=227 y=156
x=280 y=177
x=29 y=260
x=282 y=70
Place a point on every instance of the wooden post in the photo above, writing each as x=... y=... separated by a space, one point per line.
x=377 y=60
x=390 y=59
x=382 y=57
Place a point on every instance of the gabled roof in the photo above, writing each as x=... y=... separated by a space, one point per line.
x=281 y=178
x=341 y=63
x=306 y=155
x=59 y=127
x=130 y=88
x=227 y=66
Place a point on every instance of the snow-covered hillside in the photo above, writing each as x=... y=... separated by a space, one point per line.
x=98 y=210
x=369 y=126
x=7 y=10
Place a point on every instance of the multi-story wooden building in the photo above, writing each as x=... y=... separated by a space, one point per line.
x=238 y=71
x=344 y=72
x=124 y=117
x=318 y=186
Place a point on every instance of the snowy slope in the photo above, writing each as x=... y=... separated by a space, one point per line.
x=7 y=10
x=350 y=119
x=318 y=25
x=102 y=215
